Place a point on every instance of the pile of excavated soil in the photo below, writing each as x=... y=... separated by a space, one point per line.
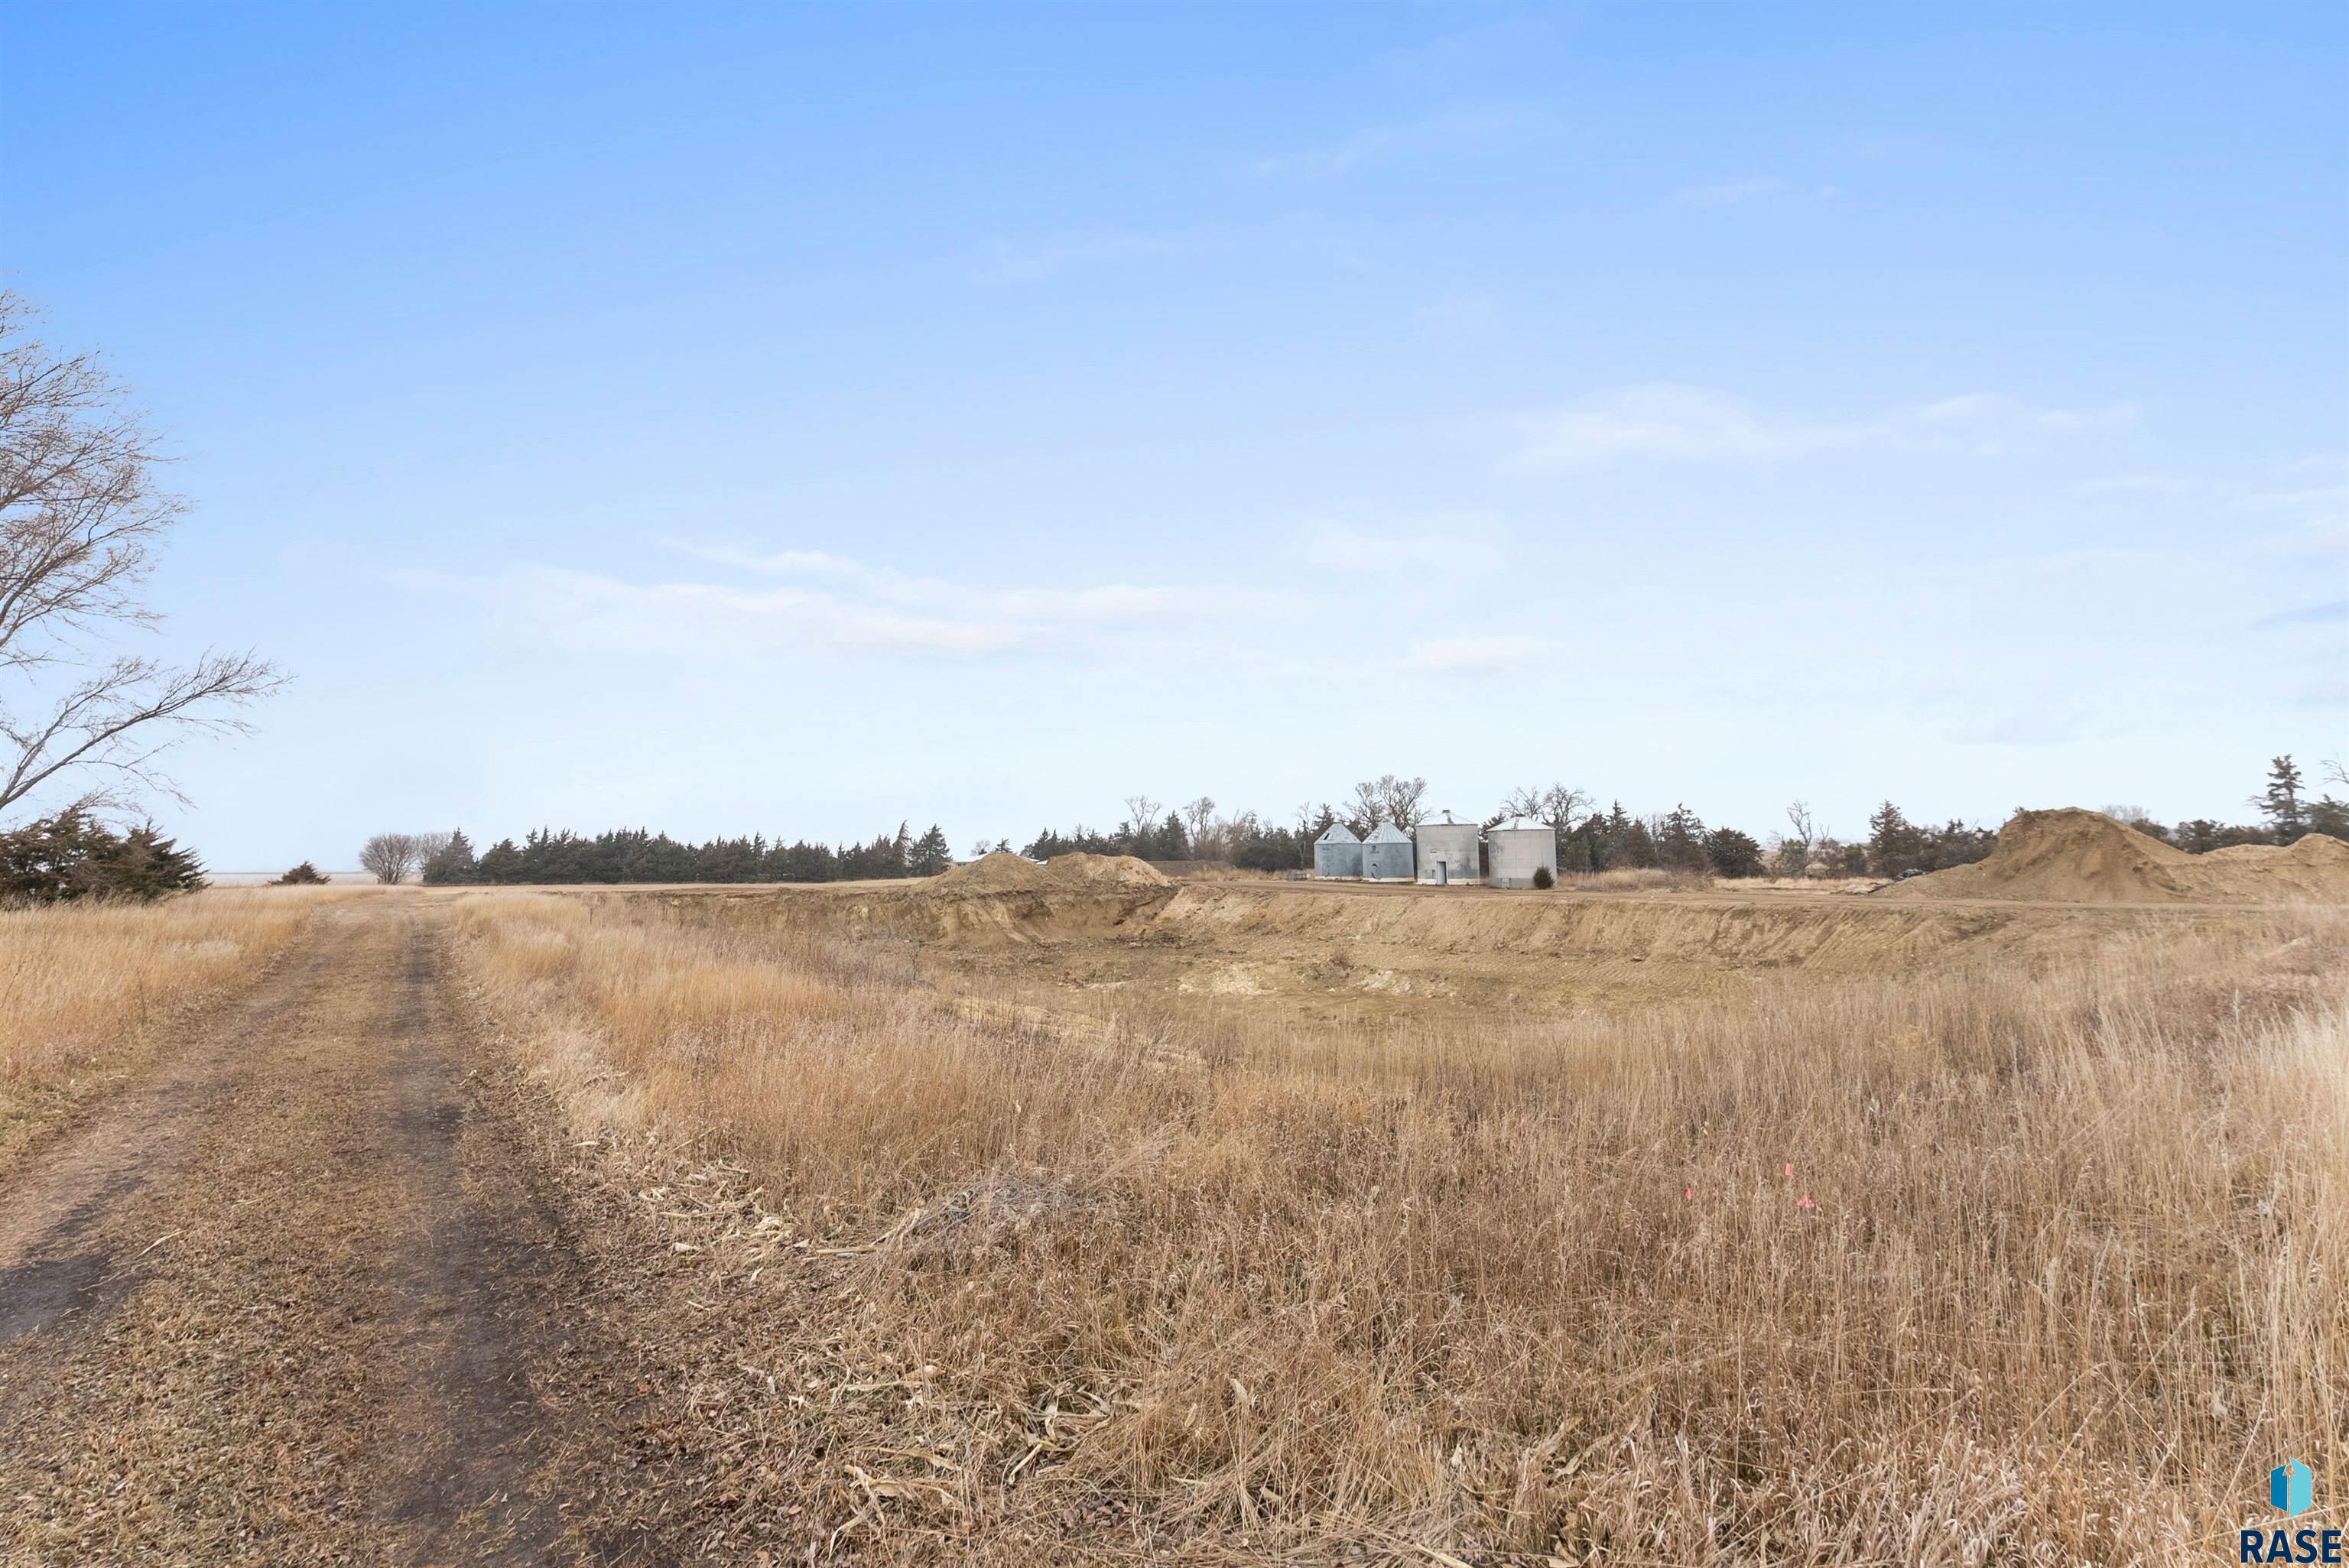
x=1001 y=871
x=1103 y=871
x=1004 y=872
x=2072 y=856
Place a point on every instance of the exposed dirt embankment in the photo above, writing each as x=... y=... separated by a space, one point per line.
x=1840 y=934
x=998 y=898
x=2085 y=857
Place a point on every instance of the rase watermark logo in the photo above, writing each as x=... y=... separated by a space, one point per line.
x=2290 y=1490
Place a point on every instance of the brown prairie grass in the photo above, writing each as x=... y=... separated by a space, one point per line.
x=1984 y=1266
x=82 y=984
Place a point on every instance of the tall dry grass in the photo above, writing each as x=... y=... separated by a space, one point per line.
x=81 y=984
x=1986 y=1267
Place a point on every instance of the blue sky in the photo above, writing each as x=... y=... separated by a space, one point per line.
x=792 y=420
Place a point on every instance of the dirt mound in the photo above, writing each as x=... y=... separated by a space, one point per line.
x=2315 y=869
x=1103 y=871
x=1001 y=871
x=2072 y=856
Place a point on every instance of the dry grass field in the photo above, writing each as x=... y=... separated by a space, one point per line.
x=85 y=988
x=1639 y=1229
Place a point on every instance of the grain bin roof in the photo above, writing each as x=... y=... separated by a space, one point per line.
x=1521 y=825
x=1387 y=833
x=1338 y=833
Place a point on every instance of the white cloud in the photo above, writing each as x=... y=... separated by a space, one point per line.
x=1669 y=422
x=1468 y=128
x=1473 y=655
x=2142 y=484
x=837 y=603
x=1759 y=188
x=1096 y=606
x=1990 y=424
x=1344 y=549
x=1460 y=315
x=1694 y=424
x=1003 y=261
x=1018 y=262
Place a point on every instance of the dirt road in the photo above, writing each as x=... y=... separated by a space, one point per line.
x=305 y=1296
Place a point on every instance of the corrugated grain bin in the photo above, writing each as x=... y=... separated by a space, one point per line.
x=1386 y=854
x=1337 y=853
x=1447 y=852
x=1518 y=848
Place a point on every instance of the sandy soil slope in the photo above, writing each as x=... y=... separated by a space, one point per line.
x=2071 y=856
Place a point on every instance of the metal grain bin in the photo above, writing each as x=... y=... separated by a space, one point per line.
x=1386 y=854
x=1337 y=853
x=1448 y=852
x=1518 y=848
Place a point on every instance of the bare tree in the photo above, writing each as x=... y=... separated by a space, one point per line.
x=1388 y=798
x=80 y=516
x=1794 y=849
x=1142 y=813
x=389 y=857
x=1210 y=839
x=1555 y=805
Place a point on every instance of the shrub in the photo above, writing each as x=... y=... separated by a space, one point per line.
x=1542 y=879
x=304 y=875
x=73 y=856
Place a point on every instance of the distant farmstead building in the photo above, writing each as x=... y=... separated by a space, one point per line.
x=1338 y=854
x=1386 y=854
x=1449 y=851
x=1520 y=847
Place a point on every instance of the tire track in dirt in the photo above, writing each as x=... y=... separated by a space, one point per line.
x=285 y=1303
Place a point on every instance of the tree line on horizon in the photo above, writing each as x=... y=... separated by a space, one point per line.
x=1589 y=839
x=639 y=855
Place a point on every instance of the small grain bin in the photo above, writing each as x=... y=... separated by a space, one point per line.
x=1337 y=854
x=1386 y=854
x=1447 y=851
x=1520 y=847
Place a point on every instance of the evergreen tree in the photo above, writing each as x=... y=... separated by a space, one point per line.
x=1612 y=847
x=304 y=875
x=144 y=864
x=931 y=855
x=1894 y=843
x=1680 y=841
x=1636 y=850
x=501 y=863
x=73 y=856
x=1733 y=853
x=2280 y=803
x=453 y=864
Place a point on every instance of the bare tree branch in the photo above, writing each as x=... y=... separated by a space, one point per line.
x=80 y=516
x=389 y=857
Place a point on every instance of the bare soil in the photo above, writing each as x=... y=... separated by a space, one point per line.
x=311 y=1293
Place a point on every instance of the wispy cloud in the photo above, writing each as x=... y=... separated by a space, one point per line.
x=812 y=599
x=962 y=605
x=1758 y=188
x=1004 y=260
x=1466 y=129
x=1345 y=549
x=1692 y=423
x=1671 y=422
x=2332 y=611
x=1473 y=655
x=2142 y=485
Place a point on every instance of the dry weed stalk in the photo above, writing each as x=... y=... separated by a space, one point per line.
x=1985 y=1266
